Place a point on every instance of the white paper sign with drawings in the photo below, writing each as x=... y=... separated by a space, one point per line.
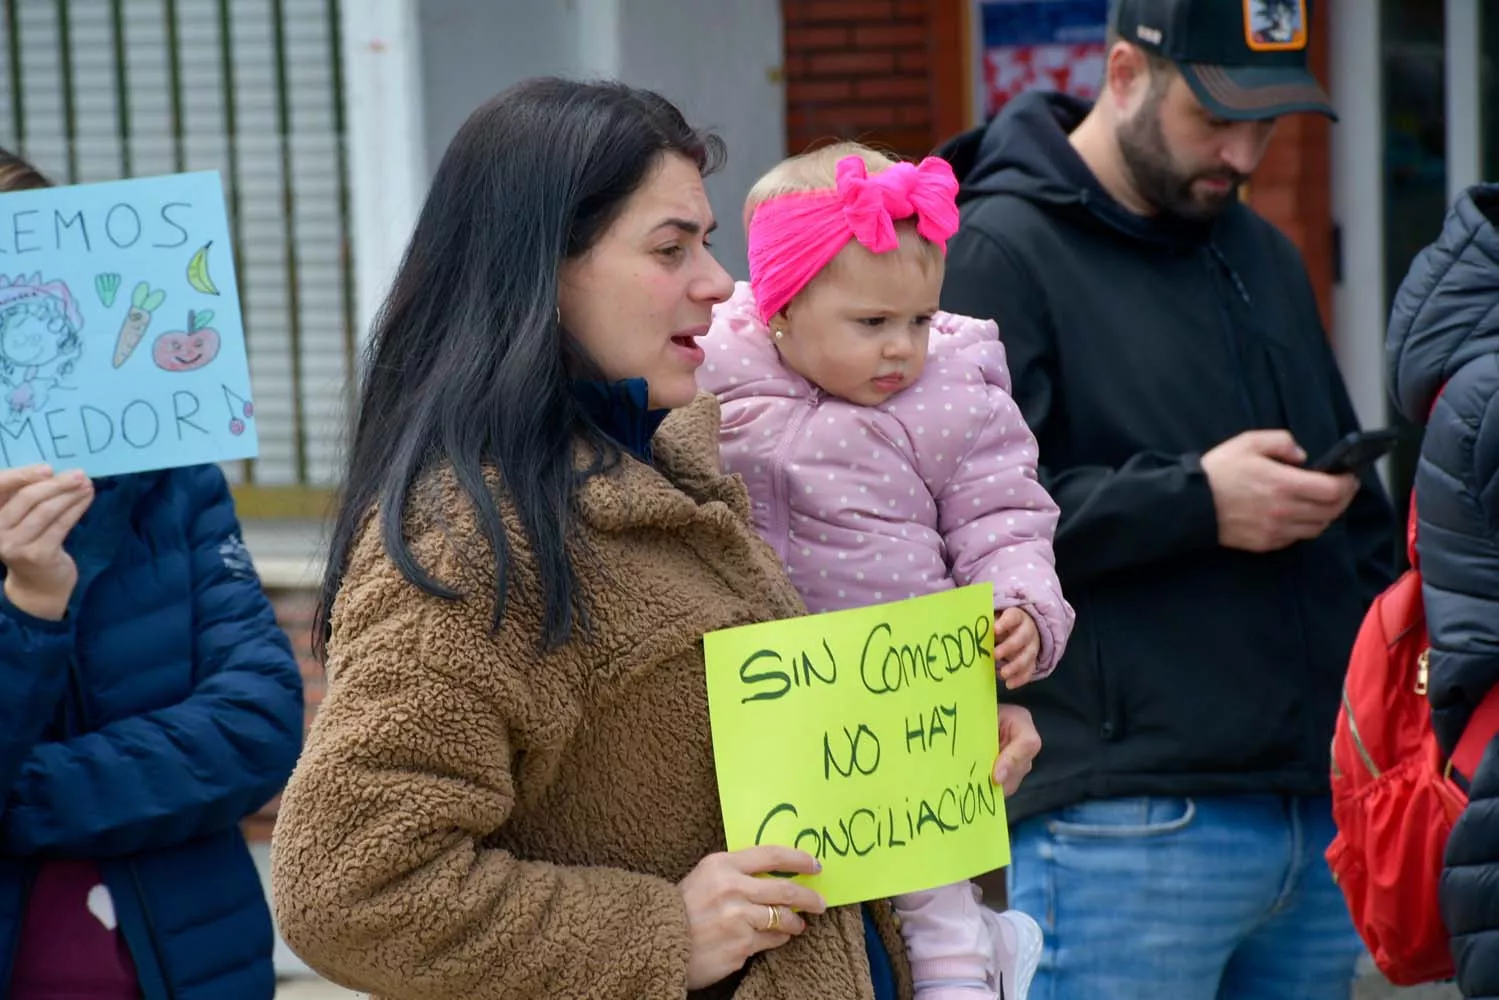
x=122 y=345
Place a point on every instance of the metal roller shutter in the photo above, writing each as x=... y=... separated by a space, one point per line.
x=97 y=89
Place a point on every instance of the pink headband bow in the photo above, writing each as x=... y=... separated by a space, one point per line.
x=793 y=237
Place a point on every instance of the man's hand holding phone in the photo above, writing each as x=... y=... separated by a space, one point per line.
x=1265 y=499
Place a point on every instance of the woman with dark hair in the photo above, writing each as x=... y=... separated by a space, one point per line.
x=149 y=702
x=18 y=174
x=509 y=790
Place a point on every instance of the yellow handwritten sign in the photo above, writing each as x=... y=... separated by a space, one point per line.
x=866 y=738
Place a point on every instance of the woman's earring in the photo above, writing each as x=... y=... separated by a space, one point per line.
x=780 y=334
x=559 y=315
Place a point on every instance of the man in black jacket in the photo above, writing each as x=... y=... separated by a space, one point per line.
x=1444 y=341
x=1166 y=349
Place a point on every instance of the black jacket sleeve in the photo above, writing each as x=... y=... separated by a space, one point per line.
x=1154 y=507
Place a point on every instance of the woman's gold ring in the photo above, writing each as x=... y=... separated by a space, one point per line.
x=775 y=920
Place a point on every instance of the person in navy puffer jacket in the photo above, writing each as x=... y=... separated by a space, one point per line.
x=148 y=703
x=1444 y=331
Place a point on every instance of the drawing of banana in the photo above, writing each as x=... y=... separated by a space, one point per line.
x=106 y=286
x=143 y=302
x=197 y=271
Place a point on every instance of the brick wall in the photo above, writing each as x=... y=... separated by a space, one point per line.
x=294 y=610
x=888 y=72
x=1293 y=187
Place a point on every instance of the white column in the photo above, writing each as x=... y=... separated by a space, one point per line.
x=1358 y=203
x=385 y=141
x=1464 y=118
x=598 y=39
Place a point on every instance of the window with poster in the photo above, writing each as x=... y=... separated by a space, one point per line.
x=1037 y=45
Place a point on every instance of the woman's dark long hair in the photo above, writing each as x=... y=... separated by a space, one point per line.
x=467 y=366
x=20 y=174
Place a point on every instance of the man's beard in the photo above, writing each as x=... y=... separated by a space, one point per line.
x=1157 y=178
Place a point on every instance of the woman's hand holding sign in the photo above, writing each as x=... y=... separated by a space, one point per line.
x=733 y=913
x=37 y=510
x=1019 y=743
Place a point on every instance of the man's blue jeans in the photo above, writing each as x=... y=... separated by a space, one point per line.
x=1216 y=898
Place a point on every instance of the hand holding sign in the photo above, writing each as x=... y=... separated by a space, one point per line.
x=732 y=914
x=1019 y=743
x=37 y=510
x=866 y=738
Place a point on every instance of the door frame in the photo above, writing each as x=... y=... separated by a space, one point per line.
x=1358 y=159
x=1354 y=70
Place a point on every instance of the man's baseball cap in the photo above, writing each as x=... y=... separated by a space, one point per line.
x=1244 y=59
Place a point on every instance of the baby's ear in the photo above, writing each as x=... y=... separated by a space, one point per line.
x=778 y=325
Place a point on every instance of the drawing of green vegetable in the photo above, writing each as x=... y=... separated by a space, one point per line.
x=107 y=286
x=144 y=302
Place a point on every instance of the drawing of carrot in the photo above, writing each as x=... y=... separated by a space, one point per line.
x=143 y=302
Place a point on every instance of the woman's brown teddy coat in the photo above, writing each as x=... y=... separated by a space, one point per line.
x=474 y=819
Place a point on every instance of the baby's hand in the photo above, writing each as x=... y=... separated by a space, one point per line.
x=1017 y=644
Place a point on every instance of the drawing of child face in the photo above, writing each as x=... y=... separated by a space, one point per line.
x=183 y=352
x=31 y=335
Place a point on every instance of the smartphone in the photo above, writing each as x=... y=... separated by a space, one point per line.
x=1357 y=451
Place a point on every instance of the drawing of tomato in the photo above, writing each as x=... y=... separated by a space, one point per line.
x=190 y=349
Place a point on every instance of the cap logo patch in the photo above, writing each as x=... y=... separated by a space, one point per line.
x=1151 y=36
x=1275 y=25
